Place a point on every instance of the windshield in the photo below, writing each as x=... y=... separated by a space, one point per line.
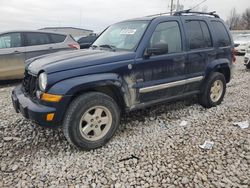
x=122 y=36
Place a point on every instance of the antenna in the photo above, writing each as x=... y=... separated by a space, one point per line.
x=171 y=7
x=198 y=4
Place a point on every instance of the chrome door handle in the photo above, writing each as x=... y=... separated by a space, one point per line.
x=16 y=52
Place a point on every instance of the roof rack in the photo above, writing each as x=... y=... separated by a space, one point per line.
x=159 y=14
x=179 y=13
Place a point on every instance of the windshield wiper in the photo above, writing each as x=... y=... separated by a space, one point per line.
x=108 y=46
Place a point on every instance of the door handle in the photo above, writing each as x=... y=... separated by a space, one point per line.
x=50 y=48
x=16 y=52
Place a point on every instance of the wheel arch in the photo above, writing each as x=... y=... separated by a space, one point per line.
x=222 y=66
x=110 y=84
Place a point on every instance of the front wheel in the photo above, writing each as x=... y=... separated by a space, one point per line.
x=214 y=90
x=91 y=120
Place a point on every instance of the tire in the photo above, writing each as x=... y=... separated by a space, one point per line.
x=78 y=127
x=207 y=98
x=248 y=66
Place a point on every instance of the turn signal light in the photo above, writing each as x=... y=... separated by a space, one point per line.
x=50 y=117
x=51 y=98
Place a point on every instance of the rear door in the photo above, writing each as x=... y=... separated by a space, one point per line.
x=12 y=56
x=37 y=44
x=200 y=51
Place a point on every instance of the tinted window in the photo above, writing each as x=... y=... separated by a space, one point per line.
x=55 y=38
x=168 y=33
x=37 y=39
x=198 y=34
x=195 y=36
x=11 y=40
x=206 y=34
x=221 y=34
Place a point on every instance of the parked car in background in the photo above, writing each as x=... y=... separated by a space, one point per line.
x=86 y=42
x=18 y=46
x=247 y=57
x=240 y=43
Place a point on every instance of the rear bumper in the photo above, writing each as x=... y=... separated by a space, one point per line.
x=32 y=110
x=241 y=50
x=246 y=60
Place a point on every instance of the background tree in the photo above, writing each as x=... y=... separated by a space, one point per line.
x=246 y=18
x=233 y=20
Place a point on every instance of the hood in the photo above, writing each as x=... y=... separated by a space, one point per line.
x=67 y=60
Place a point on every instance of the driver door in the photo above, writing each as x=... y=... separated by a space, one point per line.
x=159 y=76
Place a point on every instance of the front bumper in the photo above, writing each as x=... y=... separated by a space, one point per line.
x=32 y=110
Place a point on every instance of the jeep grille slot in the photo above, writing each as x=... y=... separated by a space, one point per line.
x=29 y=84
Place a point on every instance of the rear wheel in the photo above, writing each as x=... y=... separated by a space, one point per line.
x=214 y=90
x=91 y=120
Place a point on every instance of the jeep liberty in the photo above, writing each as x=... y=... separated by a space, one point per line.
x=133 y=64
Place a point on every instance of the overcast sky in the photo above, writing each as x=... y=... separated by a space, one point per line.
x=94 y=14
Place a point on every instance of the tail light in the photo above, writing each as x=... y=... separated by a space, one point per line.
x=234 y=55
x=74 y=46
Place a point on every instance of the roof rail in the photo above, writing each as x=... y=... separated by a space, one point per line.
x=188 y=11
x=159 y=14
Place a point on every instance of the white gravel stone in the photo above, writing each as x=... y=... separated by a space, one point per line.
x=169 y=156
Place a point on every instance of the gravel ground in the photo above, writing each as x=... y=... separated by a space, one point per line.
x=168 y=154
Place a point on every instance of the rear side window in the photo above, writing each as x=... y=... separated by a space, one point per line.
x=11 y=40
x=221 y=34
x=206 y=35
x=37 y=39
x=198 y=34
x=55 y=38
x=167 y=33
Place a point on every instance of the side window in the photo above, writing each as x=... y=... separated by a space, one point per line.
x=195 y=36
x=55 y=38
x=206 y=35
x=37 y=39
x=167 y=33
x=221 y=33
x=198 y=34
x=11 y=40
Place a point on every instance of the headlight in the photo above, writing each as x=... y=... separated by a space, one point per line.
x=42 y=81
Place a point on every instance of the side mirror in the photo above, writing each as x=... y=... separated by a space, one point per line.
x=157 y=49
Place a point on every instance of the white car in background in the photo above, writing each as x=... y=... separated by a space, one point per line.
x=247 y=57
x=240 y=43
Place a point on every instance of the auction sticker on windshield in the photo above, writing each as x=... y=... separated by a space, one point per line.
x=127 y=31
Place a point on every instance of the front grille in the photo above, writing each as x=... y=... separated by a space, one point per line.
x=29 y=84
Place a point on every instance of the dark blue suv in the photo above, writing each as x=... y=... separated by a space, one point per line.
x=133 y=64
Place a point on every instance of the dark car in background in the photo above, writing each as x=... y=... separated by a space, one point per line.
x=18 y=46
x=86 y=42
